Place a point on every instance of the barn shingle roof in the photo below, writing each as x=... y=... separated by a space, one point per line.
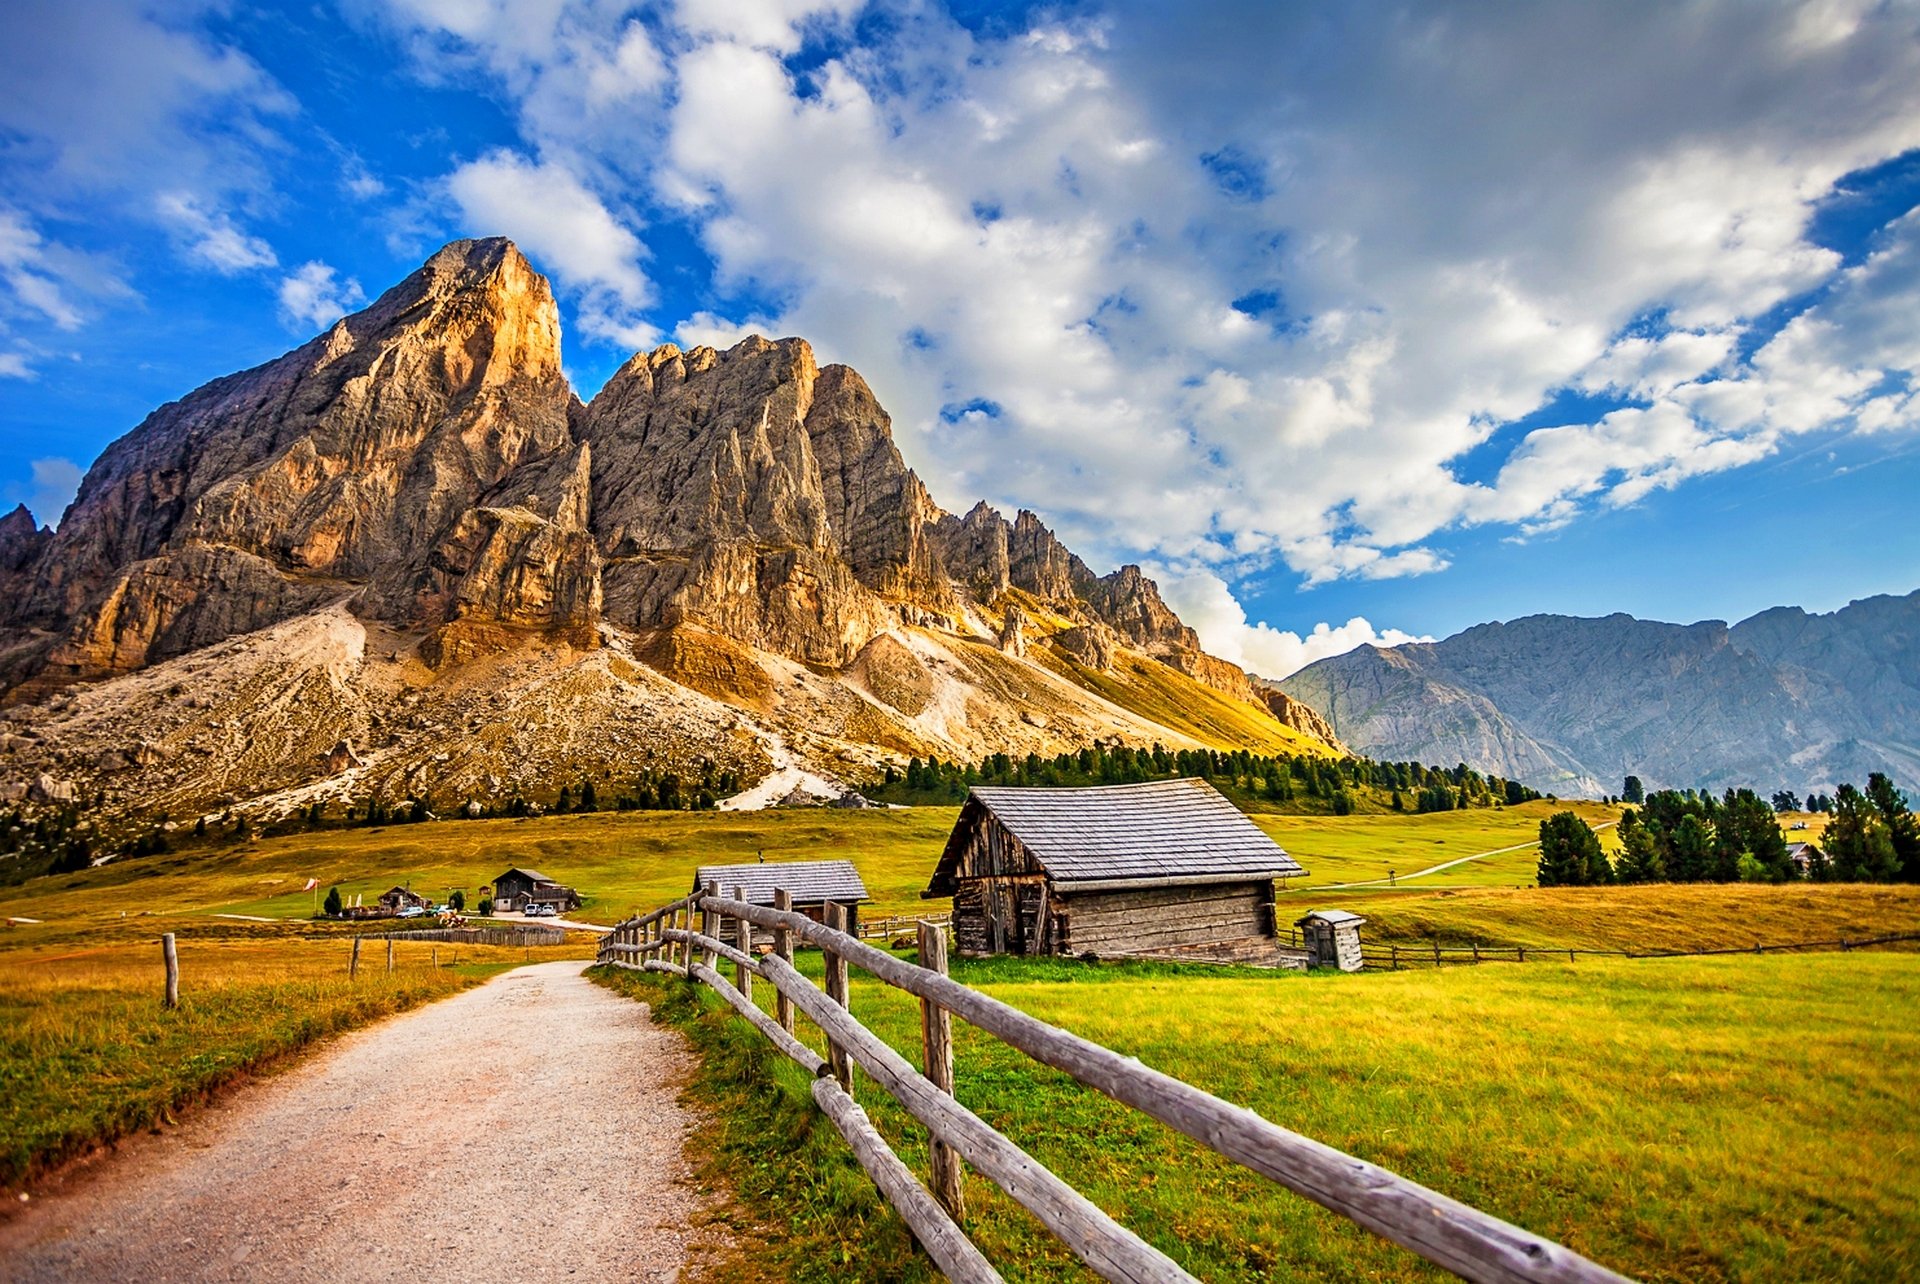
x=1164 y=829
x=807 y=880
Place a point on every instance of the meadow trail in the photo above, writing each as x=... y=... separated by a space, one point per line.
x=1448 y=864
x=528 y=1128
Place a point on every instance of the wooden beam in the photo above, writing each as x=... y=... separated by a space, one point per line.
x=170 y=960
x=783 y=949
x=1463 y=1239
x=1104 y=1244
x=936 y=1046
x=836 y=987
x=944 y=1242
x=805 y=1057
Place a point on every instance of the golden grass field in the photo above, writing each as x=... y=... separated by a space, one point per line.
x=1701 y=1118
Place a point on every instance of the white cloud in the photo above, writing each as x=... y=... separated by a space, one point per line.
x=211 y=237
x=15 y=365
x=1205 y=602
x=567 y=230
x=314 y=298
x=1034 y=228
x=55 y=482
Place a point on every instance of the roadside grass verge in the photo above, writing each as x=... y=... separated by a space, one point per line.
x=88 y=1055
x=1676 y=1119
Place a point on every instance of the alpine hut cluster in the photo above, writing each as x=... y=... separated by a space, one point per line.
x=1167 y=869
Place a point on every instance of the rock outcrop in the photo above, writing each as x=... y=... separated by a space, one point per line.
x=722 y=552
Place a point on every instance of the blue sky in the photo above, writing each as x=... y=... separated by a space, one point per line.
x=1420 y=314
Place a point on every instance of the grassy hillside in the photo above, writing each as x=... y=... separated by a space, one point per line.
x=1172 y=699
x=1716 y=1119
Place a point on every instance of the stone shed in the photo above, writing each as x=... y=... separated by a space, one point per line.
x=1163 y=869
x=1332 y=938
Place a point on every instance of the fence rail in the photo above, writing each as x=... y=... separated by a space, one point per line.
x=1450 y=1234
x=1401 y=957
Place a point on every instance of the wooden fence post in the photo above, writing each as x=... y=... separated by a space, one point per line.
x=836 y=987
x=783 y=950
x=436 y=958
x=1395 y=951
x=1521 y=952
x=686 y=947
x=709 y=923
x=1476 y=951
x=353 y=960
x=171 y=958
x=936 y=1043
x=389 y=956
x=743 y=941
x=1436 y=951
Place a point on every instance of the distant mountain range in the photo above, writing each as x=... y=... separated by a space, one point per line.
x=1784 y=700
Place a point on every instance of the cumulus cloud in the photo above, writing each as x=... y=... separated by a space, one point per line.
x=14 y=365
x=1245 y=324
x=211 y=237
x=314 y=297
x=554 y=217
x=55 y=482
x=1205 y=602
x=137 y=105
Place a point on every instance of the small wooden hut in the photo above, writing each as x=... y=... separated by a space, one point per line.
x=813 y=884
x=1165 y=868
x=395 y=899
x=1332 y=938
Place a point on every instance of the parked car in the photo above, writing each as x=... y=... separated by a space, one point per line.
x=413 y=911
x=538 y=909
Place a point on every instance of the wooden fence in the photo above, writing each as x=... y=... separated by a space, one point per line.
x=1395 y=958
x=518 y=937
x=885 y=929
x=1450 y=1234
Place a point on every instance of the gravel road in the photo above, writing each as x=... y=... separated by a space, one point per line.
x=525 y=1129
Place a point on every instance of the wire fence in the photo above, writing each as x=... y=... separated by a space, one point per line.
x=1396 y=958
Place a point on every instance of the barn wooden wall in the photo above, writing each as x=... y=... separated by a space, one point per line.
x=1121 y=922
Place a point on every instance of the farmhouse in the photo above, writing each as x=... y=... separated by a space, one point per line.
x=811 y=883
x=1167 y=868
x=1803 y=855
x=518 y=888
x=395 y=899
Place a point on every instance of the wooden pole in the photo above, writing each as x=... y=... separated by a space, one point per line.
x=710 y=922
x=436 y=958
x=171 y=958
x=743 y=937
x=783 y=949
x=936 y=1045
x=950 y=1249
x=836 y=987
x=353 y=960
x=389 y=956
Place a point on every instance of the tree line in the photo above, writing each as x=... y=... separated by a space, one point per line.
x=1300 y=782
x=1686 y=836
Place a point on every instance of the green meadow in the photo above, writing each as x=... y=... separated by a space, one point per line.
x=1675 y=1119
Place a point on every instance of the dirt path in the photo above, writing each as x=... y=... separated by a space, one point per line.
x=1449 y=864
x=526 y=1129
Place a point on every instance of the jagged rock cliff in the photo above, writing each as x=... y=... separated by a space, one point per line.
x=738 y=526
x=1782 y=700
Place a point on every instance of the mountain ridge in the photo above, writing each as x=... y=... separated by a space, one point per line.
x=721 y=558
x=1784 y=699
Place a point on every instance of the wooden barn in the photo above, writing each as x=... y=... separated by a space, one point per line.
x=1168 y=868
x=811 y=883
x=518 y=888
x=395 y=899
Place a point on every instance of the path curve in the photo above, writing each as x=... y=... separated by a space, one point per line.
x=1449 y=864
x=528 y=1128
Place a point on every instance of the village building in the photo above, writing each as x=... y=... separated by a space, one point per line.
x=1332 y=939
x=1803 y=855
x=813 y=884
x=1166 y=869
x=395 y=899
x=518 y=888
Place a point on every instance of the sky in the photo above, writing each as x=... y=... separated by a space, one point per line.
x=1350 y=322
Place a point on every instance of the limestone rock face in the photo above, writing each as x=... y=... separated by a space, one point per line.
x=1013 y=631
x=1297 y=714
x=413 y=511
x=344 y=460
x=711 y=508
